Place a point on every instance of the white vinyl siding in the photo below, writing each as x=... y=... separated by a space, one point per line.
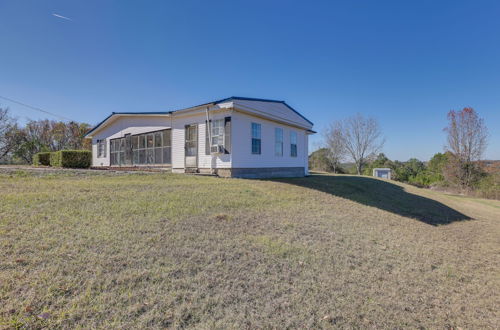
x=178 y=139
x=242 y=156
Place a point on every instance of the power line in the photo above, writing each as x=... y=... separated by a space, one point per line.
x=35 y=108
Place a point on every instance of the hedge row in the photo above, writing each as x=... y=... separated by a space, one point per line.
x=64 y=158
x=41 y=158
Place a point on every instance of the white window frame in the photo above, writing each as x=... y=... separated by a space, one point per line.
x=278 y=142
x=101 y=148
x=293 y=142
x=217 y=128
x=258 y=129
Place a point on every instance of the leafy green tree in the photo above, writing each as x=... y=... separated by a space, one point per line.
x=320 y=160
x=380 y=161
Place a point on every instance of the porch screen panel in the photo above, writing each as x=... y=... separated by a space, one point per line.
x=117 y=151
x=151 y=148
x=158 y=148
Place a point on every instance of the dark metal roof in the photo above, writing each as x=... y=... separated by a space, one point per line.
x=263 y=100
x=214 y=102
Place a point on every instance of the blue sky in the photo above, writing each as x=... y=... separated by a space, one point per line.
x=406 y=63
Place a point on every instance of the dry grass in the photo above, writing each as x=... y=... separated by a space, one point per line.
x=94 y=250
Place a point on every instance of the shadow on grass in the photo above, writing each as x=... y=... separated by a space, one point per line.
x=381 y=194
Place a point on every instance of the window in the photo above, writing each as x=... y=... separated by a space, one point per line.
x=278 y=144
x=158 y=147
x=217 y=132
x=101 y=148
x=293 y=144
x=147 y=149
x=256 y=148
x=117 y=151
x=149 y=138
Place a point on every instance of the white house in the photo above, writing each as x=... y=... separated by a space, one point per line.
x=233 y=137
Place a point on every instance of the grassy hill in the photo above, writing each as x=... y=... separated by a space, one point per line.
x=96 y=249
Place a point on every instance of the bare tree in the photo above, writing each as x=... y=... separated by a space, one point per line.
x=335 y=144
x=362 y=137
x=467 y=140
x=8 y=136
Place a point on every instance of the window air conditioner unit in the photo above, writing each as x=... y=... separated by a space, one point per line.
x=218 y=149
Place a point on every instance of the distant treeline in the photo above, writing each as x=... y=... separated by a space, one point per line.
x=18 y=144
x=359 y=139
x=438 y=172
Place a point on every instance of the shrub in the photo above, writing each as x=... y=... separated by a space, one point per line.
x=71 y=158
x=41 y=158
x=489 y=186
x=55 y=159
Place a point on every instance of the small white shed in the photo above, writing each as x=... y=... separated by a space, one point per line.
x=384 y=173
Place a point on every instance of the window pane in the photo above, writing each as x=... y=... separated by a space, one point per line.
x=256 y=131
x=218 y=132
x=166 y=138
x=278 y=145
x=158 y=156
x=142 y=156
x=293 y=137
x=112 y=159
x=166 y=155
x=190 y=149
x=278 y=132
x=150 y=156
x=135 y=142
x=293 y=150
x=158 y=142
x=150 y=140
x=256 y=146
x=142 y=141
x=136 y=157
x=278 y=149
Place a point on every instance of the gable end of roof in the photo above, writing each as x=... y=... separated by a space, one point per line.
x=263 y=100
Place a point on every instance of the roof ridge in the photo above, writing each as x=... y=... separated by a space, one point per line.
x=242 y=98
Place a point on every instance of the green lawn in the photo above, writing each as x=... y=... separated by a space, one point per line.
x=92 y=249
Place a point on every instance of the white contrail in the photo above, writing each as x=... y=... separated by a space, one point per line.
x=61 y=16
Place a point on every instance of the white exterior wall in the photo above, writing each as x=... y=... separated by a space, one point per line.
x=126 y=125
x=242 y=144
x=143 y=124
x=241 y=136
x=178 y=140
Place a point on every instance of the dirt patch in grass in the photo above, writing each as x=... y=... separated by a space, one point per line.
x=164 y=250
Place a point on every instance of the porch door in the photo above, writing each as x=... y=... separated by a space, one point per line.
x=128 y=150
x=191 y=146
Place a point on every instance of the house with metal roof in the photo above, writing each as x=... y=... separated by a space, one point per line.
x=232 y=137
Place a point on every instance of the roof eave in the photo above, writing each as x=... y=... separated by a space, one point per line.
x=264 y=100
x=96 y=127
